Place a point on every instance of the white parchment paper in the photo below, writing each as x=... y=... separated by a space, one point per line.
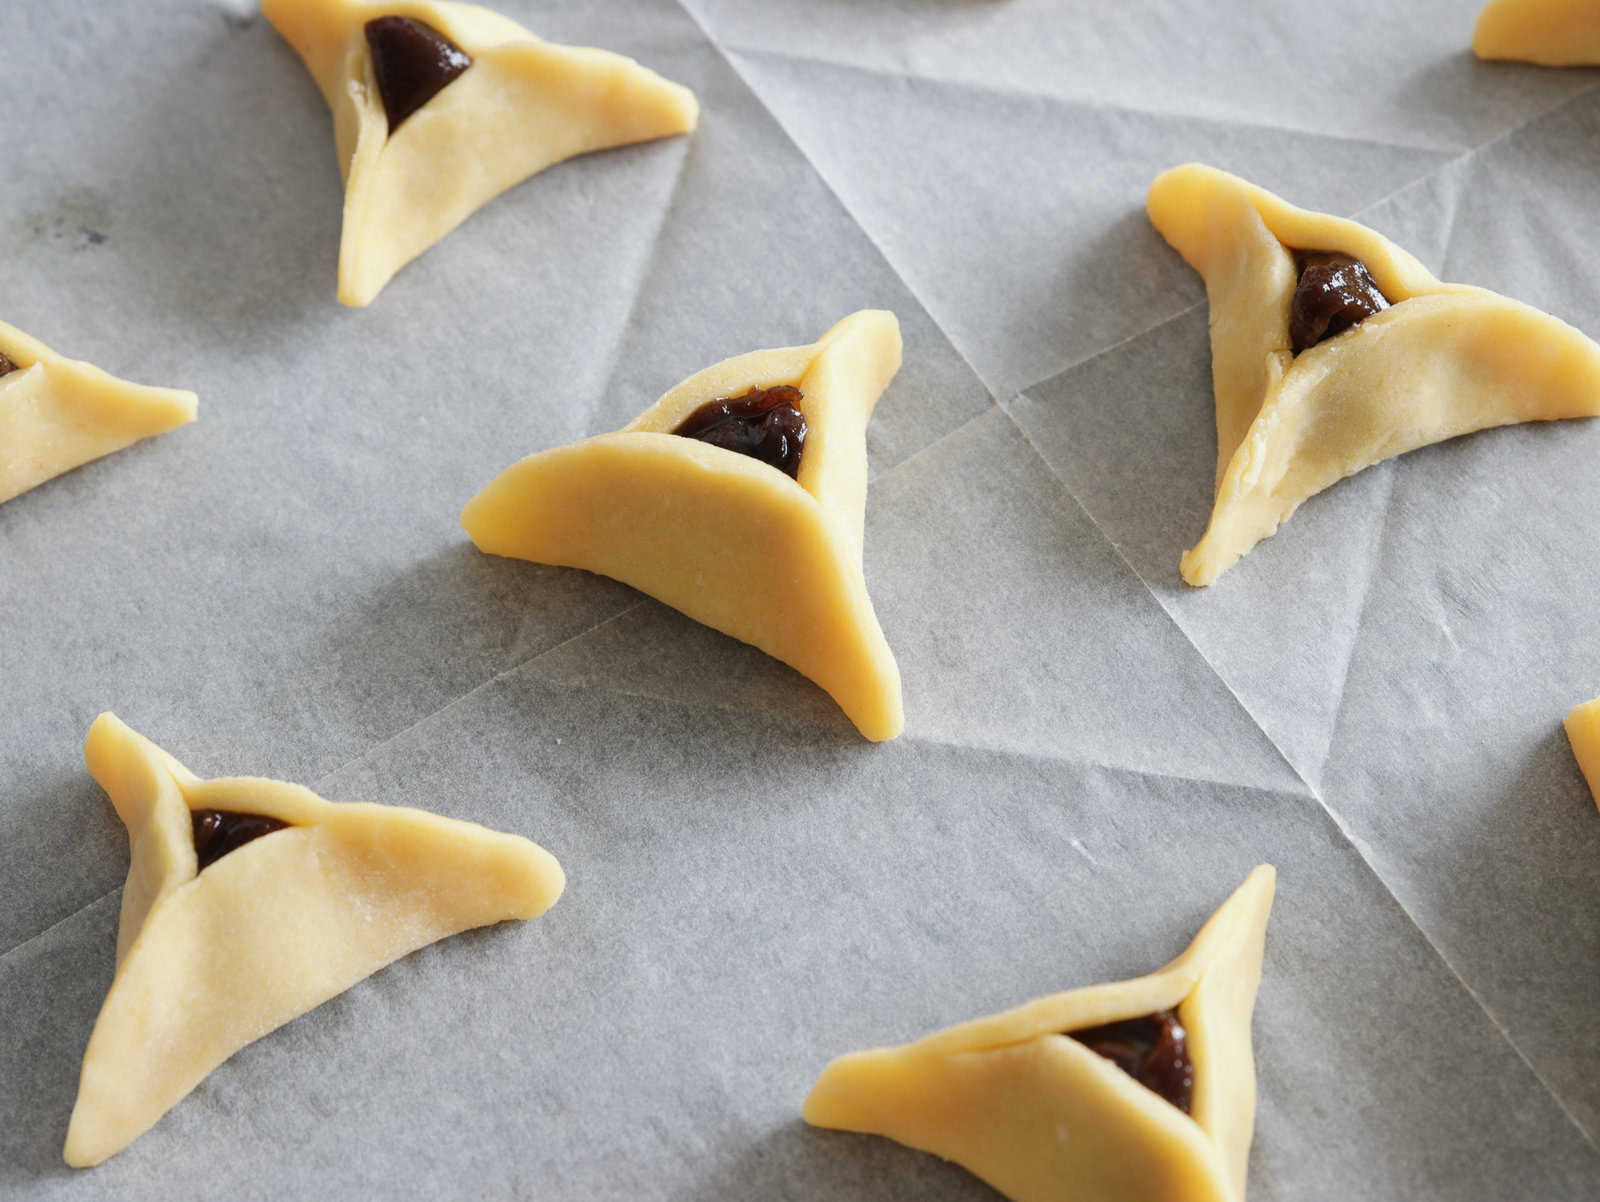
x=1095 y=755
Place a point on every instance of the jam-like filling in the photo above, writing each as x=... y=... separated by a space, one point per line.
x=1335 y=292
x=217 y=832
x=413 y=62
x=6 y=366
x=1153 y=1050
x=764 y=423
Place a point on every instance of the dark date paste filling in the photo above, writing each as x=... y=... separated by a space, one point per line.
x=1153 y=1050
x=413 y=62
x=6 y=366
x=1335 y=292
x=764 y=423
x=217 y=832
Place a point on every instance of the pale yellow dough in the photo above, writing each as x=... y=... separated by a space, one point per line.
x=1042 y=1118
x=1583 y=731
x=1552 y=33
x=208 y=963
x=1444 y=360
x=57 y=413
x=731 y=541
x=521 y=106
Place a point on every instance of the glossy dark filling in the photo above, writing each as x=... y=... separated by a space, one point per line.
x=1153 y=1050
x=1335 y=292
x=6 y=366
x=764 y=423
x=217 y=832
x=412 y=62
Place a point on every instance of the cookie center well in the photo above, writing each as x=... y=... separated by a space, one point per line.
x=412 y=63
x=1153 y=1050
x=764 y=423
x=218 y=832
x=1335 y=292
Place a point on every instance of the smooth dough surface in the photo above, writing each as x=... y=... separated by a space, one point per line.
x=1583 y=731
x=1443 y=360
x=728 y=540
x=523 y=105
x=207 y=962
x=1042 y=1118
x=1552 y=33
x=58 y=413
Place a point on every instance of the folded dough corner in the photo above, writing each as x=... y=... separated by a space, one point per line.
x=58 y=413
x=291 y=901
x=1043 y=1118
x=1439 y=360
x=1583 y=732
x=732 y=541
x=505 y=106
x=1551 y=33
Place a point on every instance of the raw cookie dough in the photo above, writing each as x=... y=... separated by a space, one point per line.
x=1583 y=731
x=1552 y=33
x=731 y=541
x=521 y=105
x=1042 y=1118
x=210 y=959
x=1440 y=361
x=57 y=413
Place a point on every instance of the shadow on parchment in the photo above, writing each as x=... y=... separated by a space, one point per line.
x=799 y=1162
x=1541 y=922
x=455 y=620
x=234 y=185
x=43 y=812
x=447 y=624
x=1127 y=261
x=50 y=994
x=1451 y=88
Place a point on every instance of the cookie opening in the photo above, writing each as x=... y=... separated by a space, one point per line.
x=412 y=62
x=764 y=423
x=1153 y=1050
x=218 y=832
x=1335 y=293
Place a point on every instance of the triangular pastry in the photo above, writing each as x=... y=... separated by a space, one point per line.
x=250 y=902
x=1552 y=33
x=1042 y=1101
x=57 y=413
x=1333 y=349
x=1583 y=731
x=738 y=498
x=439 y=107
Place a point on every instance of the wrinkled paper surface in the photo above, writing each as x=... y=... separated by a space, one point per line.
x=1095 y=755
